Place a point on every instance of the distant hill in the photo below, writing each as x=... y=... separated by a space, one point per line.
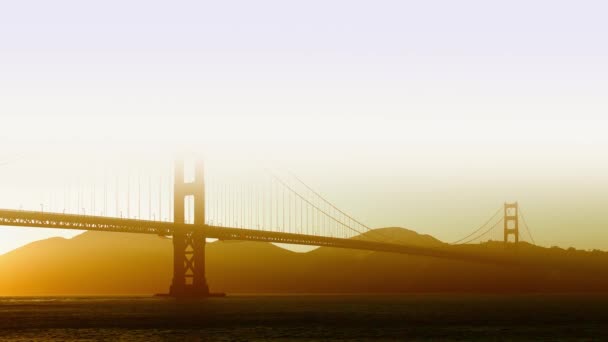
x=98 y=263
x=400 y=235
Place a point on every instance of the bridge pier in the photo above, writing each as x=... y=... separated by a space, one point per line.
x=189 y=265
x=189 y=243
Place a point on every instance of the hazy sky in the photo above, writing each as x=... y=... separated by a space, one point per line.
x=422 y=114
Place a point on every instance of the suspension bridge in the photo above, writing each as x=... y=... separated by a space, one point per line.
x=277 y=210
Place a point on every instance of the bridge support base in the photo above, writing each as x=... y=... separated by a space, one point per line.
x=189 y=266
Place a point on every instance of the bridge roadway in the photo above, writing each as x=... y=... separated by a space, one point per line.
x=37 y=219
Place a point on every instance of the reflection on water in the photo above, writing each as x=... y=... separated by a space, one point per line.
x=321 y=318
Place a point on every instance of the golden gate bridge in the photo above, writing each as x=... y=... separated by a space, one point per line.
x=279 y=209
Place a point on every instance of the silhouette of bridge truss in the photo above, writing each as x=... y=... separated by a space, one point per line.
x=34 y=219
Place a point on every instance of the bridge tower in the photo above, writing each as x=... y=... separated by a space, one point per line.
x=511 y=222
x=189 y=238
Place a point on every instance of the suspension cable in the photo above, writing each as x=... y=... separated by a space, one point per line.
x=326 y=201
x=286 y=186
x=334 y=207
x=521 y=213
x=484 y=233
x=478 y=229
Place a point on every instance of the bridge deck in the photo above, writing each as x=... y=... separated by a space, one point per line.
x=20 y=218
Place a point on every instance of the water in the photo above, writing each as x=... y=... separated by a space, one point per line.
x=308 y=318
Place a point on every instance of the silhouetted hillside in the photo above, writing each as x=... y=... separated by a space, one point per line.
x=400 y=235
x=118 y=263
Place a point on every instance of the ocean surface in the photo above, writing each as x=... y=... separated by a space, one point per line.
x=441 y=317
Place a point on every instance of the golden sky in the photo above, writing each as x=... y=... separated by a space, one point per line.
x=401 y=114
